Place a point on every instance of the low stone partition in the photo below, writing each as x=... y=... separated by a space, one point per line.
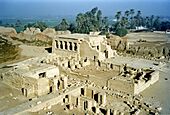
x=133 y=86
x=142 y=84
x=42 y=102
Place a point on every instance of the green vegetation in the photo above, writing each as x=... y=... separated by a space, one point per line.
x=89 y=21
x=86 y=22
x=63 y=26
x=19 y=26
x=164 y=26
x=93 y=20
x=34 y=42
x=121 y=32
x=130 y=20
x=41 y=25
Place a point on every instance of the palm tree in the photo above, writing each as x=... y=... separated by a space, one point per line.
x=139 y=13
x=151 y=21
x=79 y=22
x=118 y=15
x=126 y=15
x=118 y=19
x=99 y=19
x=147 y=22
x=105 y=24
x=94 y=10
x=63 y=25
x=132 y=12
x=138 y=18
x=124 y=22
x=157 y=23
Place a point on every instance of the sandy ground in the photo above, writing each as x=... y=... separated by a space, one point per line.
x=33 y=51
x=148 y=36
x=134 y=62
x=9 y=97
x=60 y=110
x=159 y=93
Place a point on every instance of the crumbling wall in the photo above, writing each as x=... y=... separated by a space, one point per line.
x=87 y=51
x=108 y=52
x=26 y=85
x=17 y=81
x=149 y=50
x=49 y=32
x=49 y=72
x=33 y=37
x=108 y=66
x=142 y=84
x=117 y=43
x=65 y=53
x=53 y=101
x=42 y=86
x=42 y=37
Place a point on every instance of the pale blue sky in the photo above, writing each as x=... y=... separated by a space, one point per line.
x=31 y=8
x=82 y=0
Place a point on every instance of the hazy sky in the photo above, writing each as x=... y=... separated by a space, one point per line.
x=35 y=8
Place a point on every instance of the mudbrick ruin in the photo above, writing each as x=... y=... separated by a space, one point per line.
x=84 y=74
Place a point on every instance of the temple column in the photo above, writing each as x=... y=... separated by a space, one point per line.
x=56 y=43
x=68 y=46
x=71 y=46
x=63 y=45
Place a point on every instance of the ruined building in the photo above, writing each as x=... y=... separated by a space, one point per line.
x=33 y=78
x=81 y=73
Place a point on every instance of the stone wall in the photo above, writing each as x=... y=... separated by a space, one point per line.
x=32 y=37
x=150 y=50
x=118 y=43
x=142 y=85
x=42 y=87
x=133 y=86
x=87 y=51
x=17 y=81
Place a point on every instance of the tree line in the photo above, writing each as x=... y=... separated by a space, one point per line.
x=130 y=19
x=93 y=20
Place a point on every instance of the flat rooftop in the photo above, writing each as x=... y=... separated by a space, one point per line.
x=30 y=67
x=77 y=36
x=29 y=70
x=133 y=62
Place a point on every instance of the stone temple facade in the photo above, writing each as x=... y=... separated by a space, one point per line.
x=82 y=46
